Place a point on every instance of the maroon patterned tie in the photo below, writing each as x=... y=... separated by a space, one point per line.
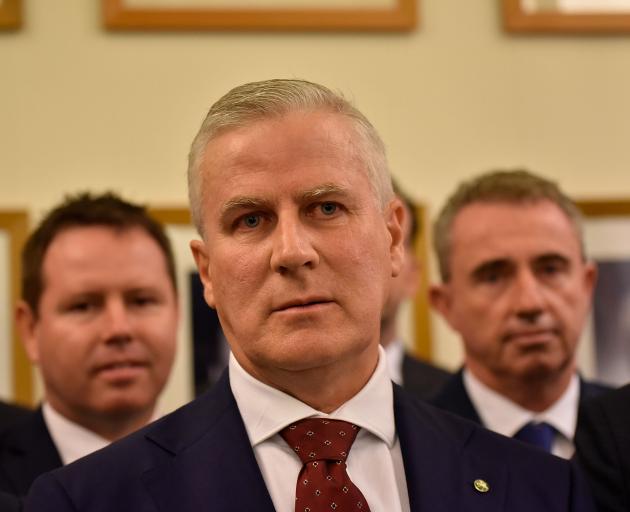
x=323 y=484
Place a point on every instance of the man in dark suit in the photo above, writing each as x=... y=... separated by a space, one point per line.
x=98 y=316
x=301 y=236
x=10 y=413
x=417 y=376
x=517 y=287
x=603 y=449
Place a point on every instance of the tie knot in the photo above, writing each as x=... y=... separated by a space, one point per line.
x=320 y=439
x=537 y=434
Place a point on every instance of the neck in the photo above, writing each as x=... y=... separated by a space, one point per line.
x=327 y=387
x=535 y=392
x=388 y=332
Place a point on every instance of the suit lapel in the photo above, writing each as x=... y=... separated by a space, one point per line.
x=442 y=461
x=454 y=398
x=212 y=466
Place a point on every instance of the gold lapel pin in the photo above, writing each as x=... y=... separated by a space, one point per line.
x=481 y=485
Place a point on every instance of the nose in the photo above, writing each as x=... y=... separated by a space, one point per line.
x=292 y=246
x=117 y=325
x=529 y=301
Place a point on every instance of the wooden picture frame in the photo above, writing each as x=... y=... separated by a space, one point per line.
x=10 y=14
x=422 y=342
x=518 y=19
x=120 y=15
x=14 y=225
x=606 y=230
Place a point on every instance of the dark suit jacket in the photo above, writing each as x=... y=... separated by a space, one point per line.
x=421 y=379
x=454 y=398
x=9 y=503
x=10 y=414
x=200 y=458
x=603 y=448
x=26 y=451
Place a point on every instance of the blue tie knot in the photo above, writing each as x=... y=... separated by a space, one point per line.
x=537 y=434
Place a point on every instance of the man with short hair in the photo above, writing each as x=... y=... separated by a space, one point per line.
x=516 y=285
x=98 y=316
x=418 y=377
x=301 y=236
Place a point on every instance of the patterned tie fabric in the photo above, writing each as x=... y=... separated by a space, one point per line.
x=323 y=483
x=537 y=434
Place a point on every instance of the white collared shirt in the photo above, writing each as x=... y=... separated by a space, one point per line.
x=395 y=353
x=504 y=416
x=72 y=440
x=375 y=463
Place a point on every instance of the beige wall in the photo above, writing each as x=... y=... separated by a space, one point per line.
x=83 y=108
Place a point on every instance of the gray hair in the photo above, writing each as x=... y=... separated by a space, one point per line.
x=512 y=187
x=273 y=98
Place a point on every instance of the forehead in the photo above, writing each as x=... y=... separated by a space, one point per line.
x=484 y=231
x=302 y=145
x=102 y=254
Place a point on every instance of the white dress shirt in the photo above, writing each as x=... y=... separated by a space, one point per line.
x=375 y=463
x=72 y=440
x=506 y=417
x=395 y=352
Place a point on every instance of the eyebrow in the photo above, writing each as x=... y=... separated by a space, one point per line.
x=242 y=202
x=323 y=190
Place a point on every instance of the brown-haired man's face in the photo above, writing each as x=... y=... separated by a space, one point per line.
x=519 y=291
x=104 y=336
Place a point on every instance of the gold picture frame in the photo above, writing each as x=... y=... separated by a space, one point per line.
x=14 y=223
x=10 y=14
x=549 y=20
x=119 y=15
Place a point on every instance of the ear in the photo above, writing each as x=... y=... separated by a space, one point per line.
x=26 y=323
x=200 y=253
x=394 y=220
x=590 y=277
x=440 y=297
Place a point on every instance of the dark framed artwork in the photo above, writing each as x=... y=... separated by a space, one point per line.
x=10 y=14
x=15 y=367
x=607 y=241
x=567 y=16
x=286 y=15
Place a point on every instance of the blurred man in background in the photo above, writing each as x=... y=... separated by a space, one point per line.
x=98 y=316
x=418 y=377
x=517 y=287
x=10 y=413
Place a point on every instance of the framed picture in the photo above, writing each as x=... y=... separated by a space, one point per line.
x=202 y=351
x=422 y=340
x=567 y=16
x=16 y=378
x=607 y=241
x=287 y=15
x=10 y=14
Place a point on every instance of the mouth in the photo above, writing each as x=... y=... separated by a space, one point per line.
x=303 y=305
x=531 y=336
x=119 y=371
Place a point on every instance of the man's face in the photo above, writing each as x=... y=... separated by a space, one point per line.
x=297 y=254
x=104 y=337
x=519 y=291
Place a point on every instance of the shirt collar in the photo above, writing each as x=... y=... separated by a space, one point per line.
x=395 y=352
x=266 y=410
x=71 y=439
x=506 y=417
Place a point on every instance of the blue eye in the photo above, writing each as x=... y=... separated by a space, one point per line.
x=328 y=208
x=251 y=221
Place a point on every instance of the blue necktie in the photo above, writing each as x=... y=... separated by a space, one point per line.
x=537 y=434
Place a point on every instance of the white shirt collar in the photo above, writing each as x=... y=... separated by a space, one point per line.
x=395 y=352
x=72 y=440
x=504 y=416
x=266 y=410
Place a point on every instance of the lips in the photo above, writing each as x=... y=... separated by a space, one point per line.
x=121 y=370
x=531 y=335
x=303 y=304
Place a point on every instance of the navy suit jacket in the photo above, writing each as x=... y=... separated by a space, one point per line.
x=26 y=451
x=603 y=449
x=421 y=379
x=199 y=458
x=10 y=414
x=454 y=398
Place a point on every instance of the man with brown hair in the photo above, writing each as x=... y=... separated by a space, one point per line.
x=516 y=285
x=98 y=316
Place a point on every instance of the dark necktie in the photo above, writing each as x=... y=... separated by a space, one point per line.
x=537 y=434
x=323 y=483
